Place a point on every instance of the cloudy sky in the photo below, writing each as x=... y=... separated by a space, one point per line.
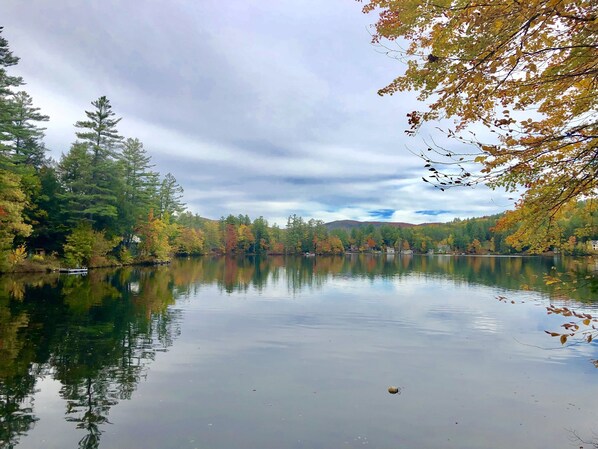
x=259 y=107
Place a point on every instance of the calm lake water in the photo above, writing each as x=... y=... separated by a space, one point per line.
x=297 y=353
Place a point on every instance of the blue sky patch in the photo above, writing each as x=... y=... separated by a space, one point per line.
x=381 y=213
x=432 y=212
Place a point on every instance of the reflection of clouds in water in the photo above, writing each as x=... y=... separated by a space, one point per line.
x=486 y=323
x=134 y=286
x=49 y=408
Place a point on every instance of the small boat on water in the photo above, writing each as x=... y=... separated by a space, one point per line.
x=73 y=270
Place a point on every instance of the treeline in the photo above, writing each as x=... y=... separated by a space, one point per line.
x=240 y=235
x=470 y=236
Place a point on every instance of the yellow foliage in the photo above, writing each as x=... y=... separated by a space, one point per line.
x=525 y=70
x=17 y=255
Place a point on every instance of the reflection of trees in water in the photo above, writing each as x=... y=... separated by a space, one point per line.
x=511 y=273
x=95 y=334
x=17 y=367
x=16 y=408
x=106 y=356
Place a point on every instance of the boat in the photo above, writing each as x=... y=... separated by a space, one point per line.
x=73 y=270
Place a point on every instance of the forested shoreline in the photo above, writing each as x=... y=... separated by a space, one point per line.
x=104 y=204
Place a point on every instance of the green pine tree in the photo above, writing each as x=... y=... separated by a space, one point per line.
x=139 y=187
x=170 y=196
x=101 y=139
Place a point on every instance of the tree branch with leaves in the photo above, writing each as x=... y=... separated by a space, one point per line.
x=528 y=72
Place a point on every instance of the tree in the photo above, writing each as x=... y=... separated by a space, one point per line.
x=101 y=139
x=74 y=172
x=296 y=235
x=25 y=151
x=189 y=241
x=49 y=230
x=276 y=239
x=139 y=187
x=262 y=237
x=7 y=82
x=12 y=202
x=230 y=238
x=213 y=236
x=25 y=132
x=526 y=71
x=86 y=247
x=170 y=196
x=245 y=239
x=22 y=152
x=154 y=244
x=99 y=130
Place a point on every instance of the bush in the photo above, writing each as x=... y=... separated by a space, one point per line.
x=37 y=258
x=125 y=256
x=86 y=247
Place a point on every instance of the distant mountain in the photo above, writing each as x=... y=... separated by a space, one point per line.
x=352 y=224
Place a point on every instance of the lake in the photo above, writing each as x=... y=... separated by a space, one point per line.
x=224 y=353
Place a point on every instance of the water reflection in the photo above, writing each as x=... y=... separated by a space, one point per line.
x=298 y=273
x=94 y=334
x=97 y=335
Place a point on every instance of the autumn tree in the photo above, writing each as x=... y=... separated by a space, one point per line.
x=336 y=245
x=154 y=245
x=28 y=154
x=230 y=238
x=84 y=247
x=528 y=72
x=189 y=241
x=13 y=198
x=245 y=239
x=276 y=240
x=213 y=237
x=12 y=202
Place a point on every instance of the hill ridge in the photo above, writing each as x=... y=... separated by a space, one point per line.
x=351 y=224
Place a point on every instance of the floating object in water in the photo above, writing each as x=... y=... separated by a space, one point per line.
x=73 y=270
x=394 y=390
